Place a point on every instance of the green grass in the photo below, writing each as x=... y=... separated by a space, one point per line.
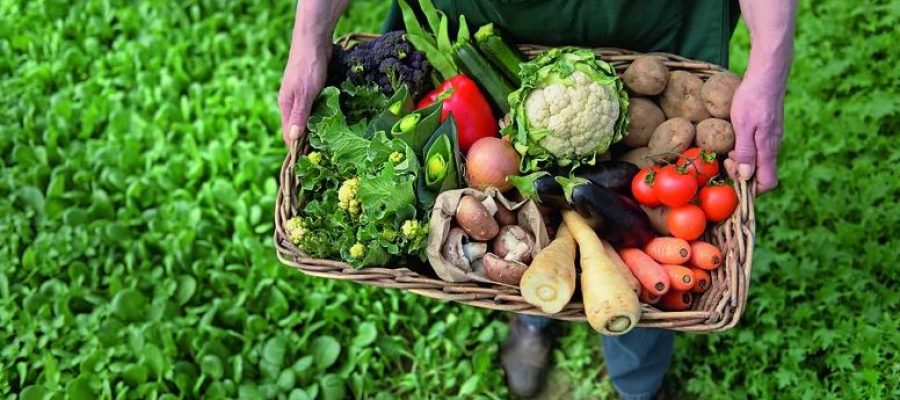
x=139 y=151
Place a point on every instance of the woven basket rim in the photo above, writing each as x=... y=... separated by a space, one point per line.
x=718 y=309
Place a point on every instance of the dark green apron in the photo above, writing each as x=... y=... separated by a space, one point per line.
x=696 y=29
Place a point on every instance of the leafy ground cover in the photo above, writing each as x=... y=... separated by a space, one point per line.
x=138 y=162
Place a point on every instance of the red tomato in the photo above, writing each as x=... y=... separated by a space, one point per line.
x=718 y=202
x=686 y=222
x=703 y=163
x=674 y=186
x=642 y=187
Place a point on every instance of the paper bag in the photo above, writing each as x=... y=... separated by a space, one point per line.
x=442 y=220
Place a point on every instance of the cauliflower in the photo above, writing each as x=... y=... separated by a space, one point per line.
x=347 y=196
x=295 y=230
x=574 y=115
x=570 y=107
x=396 y=157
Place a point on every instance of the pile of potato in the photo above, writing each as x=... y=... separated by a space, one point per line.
x=672 y=110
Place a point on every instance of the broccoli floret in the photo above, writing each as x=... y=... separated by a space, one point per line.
x=396 y=157
x=388 y=62
x=357 y=251
x=347 y=196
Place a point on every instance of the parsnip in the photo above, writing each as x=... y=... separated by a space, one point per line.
x=550 y=280
x=623 y=269
x=610 y=305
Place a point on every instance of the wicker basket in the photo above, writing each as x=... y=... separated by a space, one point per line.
x=718 y=309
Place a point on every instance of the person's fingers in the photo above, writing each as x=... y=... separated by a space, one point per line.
x=767 y=144
x=744 y=153
x=299 y=114
x=285 y=104
x=731 y=168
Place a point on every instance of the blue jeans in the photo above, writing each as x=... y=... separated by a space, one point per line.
x=636 y=361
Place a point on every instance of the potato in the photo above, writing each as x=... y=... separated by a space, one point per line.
x=717 y=93
x=643 y=116
x=672 y=136
x=715 y=135
x=646 y=75
x=682 y=97
x=636 y=157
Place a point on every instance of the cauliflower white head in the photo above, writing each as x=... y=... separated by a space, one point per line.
x=574 y=115
x=571 y=106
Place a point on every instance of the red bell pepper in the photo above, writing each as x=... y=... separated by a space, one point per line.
x=471 y=110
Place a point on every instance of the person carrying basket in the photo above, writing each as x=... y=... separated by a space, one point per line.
x=699 y=30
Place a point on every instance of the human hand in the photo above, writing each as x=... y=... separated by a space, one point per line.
x=304 y=76
x=757 y=114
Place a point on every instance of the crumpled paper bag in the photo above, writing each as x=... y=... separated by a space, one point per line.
x=442 y=220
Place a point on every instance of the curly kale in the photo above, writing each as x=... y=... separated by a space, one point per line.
x=389 y=61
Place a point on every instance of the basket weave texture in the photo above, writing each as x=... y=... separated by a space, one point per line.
x=718 y=309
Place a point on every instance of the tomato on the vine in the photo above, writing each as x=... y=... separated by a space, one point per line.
x=674 y=186
x=686 y=222
x=702 y=162
x=642 y=187
x=718 y=201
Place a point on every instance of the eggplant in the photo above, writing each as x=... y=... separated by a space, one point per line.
x=615 y=175
x=540 y=187
x=623 y=222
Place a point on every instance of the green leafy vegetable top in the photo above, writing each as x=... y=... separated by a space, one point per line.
x=360 y=191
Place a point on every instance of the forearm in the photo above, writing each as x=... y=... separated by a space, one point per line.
x=314 y=23
x=771 y=26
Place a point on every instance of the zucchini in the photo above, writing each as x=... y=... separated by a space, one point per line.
x=482 y=72
x=504 y=56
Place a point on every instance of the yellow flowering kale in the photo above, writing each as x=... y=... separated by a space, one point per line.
x=295 y=230
x=347 y=196
x=357 y=251
x=360 y=206
x=315 y=158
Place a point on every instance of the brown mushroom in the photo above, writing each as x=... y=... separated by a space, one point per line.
x=503 y=271
x=474 y=218
x=504 y=216
x=460 y=252
x=514 y=243
x=474 y=251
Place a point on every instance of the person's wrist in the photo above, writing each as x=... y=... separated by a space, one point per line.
x=768 y=67
x=767 y=81
x=314 y=45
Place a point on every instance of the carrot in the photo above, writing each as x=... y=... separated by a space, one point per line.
x=648 y=298
x=651 y=275
x=611 y=307
x=676 y=300
x=669 y=250
x=705 y=255
x=623 y=269
x=549 y=281
x=680 y=277
x=702 y=280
